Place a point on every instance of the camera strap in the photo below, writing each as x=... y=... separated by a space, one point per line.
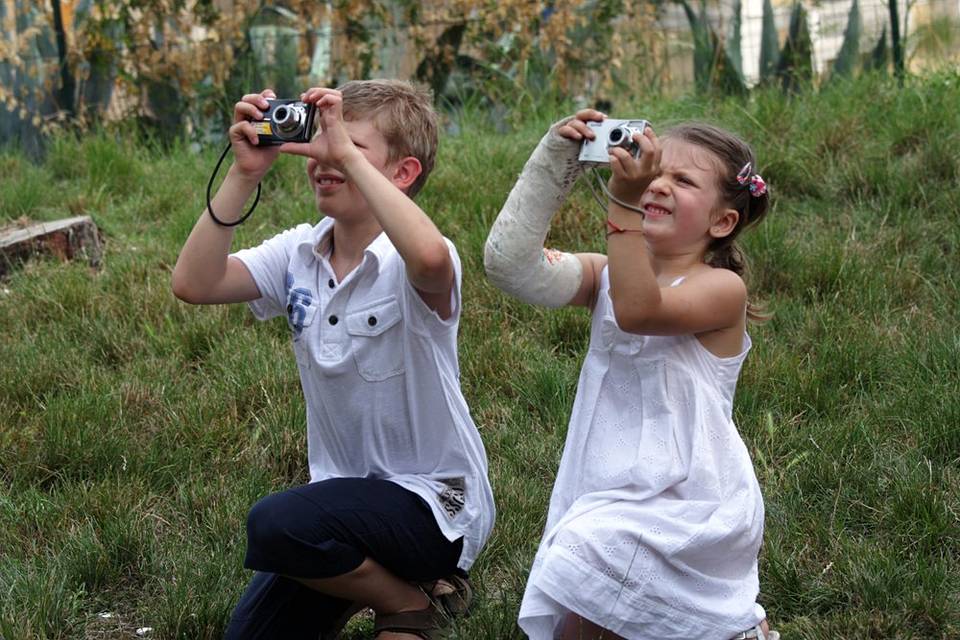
x=603 y=186
x=213 y=176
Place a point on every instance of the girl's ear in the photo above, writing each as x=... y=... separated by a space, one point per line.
x=406 y=172
x=724 y=222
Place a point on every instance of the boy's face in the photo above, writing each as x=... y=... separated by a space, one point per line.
x=336 y=196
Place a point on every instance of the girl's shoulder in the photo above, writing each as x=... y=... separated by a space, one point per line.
x=718 y=280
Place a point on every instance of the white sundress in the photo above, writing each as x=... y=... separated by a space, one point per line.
x=656 y=516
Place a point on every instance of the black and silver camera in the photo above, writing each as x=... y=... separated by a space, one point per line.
x=611 y=133
x=286 y=121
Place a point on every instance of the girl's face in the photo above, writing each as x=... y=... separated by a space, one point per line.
x=680 y=204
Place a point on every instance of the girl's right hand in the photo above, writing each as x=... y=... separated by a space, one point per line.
x=576 y=128
x=630 y=176
x=250 y=160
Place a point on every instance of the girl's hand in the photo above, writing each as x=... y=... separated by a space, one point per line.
x=631 y=176
x=332 y=146
x=577 y=129
x=251 y=161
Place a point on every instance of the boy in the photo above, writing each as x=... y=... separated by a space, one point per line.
x=399 y=494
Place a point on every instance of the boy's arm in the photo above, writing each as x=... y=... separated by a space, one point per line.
x=204 y=274
x=418 y=241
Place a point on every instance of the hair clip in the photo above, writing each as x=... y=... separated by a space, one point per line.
x=752 y=181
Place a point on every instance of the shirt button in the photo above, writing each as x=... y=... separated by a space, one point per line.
x=372 y=321
x=330 y=283
x=333 y=319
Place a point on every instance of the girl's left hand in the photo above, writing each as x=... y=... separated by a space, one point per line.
x=576 y=127
x=631 y=176
x=332 y=146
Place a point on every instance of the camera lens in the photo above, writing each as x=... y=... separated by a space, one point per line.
x=288 y=122
x=616 y=136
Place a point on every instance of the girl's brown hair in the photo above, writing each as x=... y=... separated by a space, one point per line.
x=733 y=154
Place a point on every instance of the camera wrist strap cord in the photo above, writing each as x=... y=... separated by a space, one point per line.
x=603 y=186
x=213 y=176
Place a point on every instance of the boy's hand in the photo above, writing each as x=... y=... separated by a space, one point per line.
x=332 y=147
x=252 y=161
x=577 y=129
x=631 y=176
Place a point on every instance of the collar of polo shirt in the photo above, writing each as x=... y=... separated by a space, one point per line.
x=318 y=244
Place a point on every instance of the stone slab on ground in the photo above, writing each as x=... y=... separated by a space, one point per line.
x=66 y=239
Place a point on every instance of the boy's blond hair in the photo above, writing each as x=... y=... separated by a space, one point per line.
x=403 y=113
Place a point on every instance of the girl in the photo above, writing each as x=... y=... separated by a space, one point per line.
x=656 y=516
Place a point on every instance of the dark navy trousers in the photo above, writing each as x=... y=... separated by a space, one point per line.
x=327 y=529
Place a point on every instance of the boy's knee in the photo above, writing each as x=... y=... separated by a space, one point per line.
x=285 y=538
x=268 y=521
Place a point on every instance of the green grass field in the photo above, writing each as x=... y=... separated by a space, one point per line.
x=136 y=430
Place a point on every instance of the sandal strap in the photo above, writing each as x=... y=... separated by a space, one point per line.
x=453 y=594
x=426 y=623
x=751 y=634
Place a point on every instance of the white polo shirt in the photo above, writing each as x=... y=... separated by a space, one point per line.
x=380 y=376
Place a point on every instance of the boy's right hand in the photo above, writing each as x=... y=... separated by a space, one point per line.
x=250 y=160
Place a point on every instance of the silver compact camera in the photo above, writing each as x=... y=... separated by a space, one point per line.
x=611 y=133
x=285 y=121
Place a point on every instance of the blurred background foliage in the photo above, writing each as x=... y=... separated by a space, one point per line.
x=172 y=68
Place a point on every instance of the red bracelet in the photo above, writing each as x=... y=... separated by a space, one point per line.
x=615 y=228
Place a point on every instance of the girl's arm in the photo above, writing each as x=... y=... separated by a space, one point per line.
x=710 y=300
x=514 y=256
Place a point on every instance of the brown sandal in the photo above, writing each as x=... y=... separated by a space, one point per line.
x=430 y=623
x=453 y=594
x=449 y=597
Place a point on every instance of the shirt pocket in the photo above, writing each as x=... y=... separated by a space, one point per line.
x=377 y=341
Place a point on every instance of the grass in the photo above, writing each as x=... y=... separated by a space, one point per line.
x=136 y=431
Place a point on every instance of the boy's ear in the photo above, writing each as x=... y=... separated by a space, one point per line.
x=406 y=171
x=724 y=222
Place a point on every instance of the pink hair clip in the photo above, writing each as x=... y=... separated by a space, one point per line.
x=752 y=181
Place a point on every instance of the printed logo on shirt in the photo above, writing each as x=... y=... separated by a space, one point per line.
x=453 y=497
x=299 y=301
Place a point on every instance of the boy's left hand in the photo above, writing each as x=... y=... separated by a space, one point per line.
x=332 y=145
x=631 y=176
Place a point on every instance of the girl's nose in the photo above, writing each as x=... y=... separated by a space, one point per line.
x=659 y=185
